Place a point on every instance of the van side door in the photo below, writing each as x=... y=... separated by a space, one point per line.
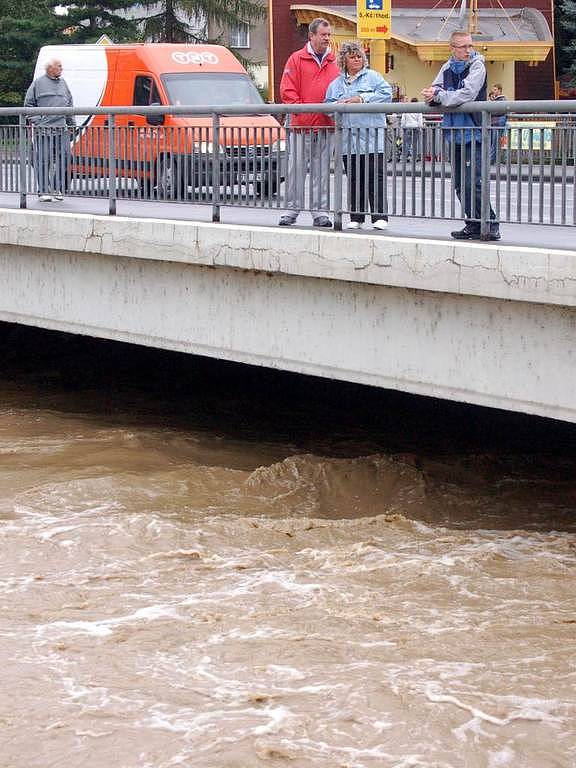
x=138 y=142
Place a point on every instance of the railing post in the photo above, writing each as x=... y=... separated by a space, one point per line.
x=111 y=165
x=215 y=167
x=23 y=156
x=485 y=177
x=337 y=172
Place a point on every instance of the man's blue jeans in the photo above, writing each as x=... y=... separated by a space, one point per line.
x=468 y=182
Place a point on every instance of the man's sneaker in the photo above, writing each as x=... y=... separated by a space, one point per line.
x=45 y=198
x=58 y=196
x=494 y=235
x=322 y=221
x=380 y=224
x=286 y=221
x=353 y=225
x=468 y=233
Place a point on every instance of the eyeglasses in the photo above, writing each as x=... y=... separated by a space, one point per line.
x=462 y=46
x=354 y=55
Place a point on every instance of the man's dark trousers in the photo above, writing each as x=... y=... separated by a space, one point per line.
x=468 y=168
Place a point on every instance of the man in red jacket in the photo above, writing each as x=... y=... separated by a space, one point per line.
x=307 y=75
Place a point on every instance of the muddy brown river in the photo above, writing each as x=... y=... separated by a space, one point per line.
x=211 y=566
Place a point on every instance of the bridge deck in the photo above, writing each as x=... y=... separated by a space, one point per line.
x=530 y=235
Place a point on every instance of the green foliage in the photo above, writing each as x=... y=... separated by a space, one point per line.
x=86 y=21
x=187 y=21
x=24 y=27
x=565 y=23
x=27 y=25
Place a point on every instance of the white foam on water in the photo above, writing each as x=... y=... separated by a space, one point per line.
x=277 y=716
x=286 y=672
x=261 y=633
x=106 y=627
x=48 y=535
x=520 y=709
x=92 y=696
x=502 y=757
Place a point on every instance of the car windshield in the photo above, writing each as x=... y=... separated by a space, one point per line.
x=210 y=88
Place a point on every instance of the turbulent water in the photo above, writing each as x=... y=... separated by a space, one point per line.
x=235 y=570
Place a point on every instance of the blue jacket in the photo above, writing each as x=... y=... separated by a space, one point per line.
x=372 y=87
x=459 y=83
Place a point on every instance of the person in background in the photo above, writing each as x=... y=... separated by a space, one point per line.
x=412 y=124
x=363 y=134
x=306 y=76
x=51 y=136
x=497 y=121
x=462 y=79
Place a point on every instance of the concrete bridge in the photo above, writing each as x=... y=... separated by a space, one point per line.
x=473 y=322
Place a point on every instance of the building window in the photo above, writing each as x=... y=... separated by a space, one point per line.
x=240 y=35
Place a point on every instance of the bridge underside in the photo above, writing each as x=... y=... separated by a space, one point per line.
x=475 y=323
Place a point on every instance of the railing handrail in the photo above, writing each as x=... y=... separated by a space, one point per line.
x=500 y=107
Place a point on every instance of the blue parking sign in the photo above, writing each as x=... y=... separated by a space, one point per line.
x=374 y=5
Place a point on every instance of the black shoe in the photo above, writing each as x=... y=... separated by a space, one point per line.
x=494 y=235
x=322 y=221
x=286 y=221
x=466 y=234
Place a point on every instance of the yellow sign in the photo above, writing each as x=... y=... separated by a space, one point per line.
x=374 y=19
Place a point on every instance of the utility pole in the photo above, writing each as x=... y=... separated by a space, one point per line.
x=271 y=73
x=473 y=17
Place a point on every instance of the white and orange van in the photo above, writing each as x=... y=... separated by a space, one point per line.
x=169 y=152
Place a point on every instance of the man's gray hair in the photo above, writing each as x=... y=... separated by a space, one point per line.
x=350 y=46
x=315 y=23
x=51 y=62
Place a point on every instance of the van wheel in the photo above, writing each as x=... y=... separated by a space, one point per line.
x=168 y=183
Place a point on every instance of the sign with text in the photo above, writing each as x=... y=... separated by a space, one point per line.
x=373 y=19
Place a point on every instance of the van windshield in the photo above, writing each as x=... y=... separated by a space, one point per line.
x=210 y=88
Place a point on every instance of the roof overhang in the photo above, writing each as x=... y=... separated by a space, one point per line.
x=342 y=23
x=533 y=51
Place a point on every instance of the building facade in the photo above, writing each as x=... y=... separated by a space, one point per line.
x=517 y=40
x=251 y=42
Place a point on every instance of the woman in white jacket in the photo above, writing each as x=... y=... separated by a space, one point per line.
x=412 y=124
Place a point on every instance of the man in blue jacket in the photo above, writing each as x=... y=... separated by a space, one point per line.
x=463 y=79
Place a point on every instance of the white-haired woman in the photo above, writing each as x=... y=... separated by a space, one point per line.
x=364 y=134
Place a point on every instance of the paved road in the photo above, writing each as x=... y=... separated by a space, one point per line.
x=552 y=237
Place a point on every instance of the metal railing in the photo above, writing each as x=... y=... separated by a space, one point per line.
x=524 y=171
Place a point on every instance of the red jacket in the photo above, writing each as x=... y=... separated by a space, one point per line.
x=304 y=82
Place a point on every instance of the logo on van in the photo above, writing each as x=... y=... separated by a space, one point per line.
x=195 y=57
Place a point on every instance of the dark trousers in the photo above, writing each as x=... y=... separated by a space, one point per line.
x=365 y=175
x=51 y=159
x=467 y=169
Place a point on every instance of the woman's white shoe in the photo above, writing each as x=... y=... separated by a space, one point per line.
x=353 y=225
x=380 y=224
